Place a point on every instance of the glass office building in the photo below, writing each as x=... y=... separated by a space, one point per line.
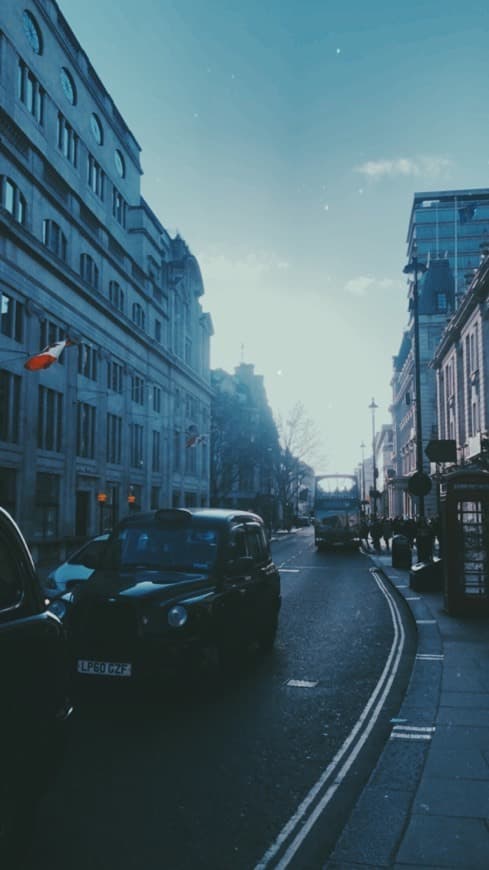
x=453 y=225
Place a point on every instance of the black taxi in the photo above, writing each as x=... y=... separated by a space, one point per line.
x=170 y=585
x=34 y=677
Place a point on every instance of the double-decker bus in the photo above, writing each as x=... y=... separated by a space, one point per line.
x=336 y=510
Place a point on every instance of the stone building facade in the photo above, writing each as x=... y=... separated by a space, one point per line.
x=461 y=364
x=435 y=305
x=245 y=449
x=84 y=257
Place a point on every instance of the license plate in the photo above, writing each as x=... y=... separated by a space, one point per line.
x=104 y=669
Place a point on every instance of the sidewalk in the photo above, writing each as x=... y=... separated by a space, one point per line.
x=426 y=804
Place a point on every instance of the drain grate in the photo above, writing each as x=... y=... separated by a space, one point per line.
x=302 y=684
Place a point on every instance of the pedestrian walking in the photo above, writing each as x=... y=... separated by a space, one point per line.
x=424 y=540
x=387 y=532
x=376 y=534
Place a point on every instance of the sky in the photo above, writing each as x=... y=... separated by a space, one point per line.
x=284 y=140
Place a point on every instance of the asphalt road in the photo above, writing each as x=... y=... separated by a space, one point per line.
x=232 y=777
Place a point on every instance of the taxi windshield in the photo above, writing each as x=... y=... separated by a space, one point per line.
x=160 y=548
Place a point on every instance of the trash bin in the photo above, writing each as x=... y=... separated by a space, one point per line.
x=401 y=552
x=426 y=576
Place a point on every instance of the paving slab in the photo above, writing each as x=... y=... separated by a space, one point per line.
x=463 y=798
x=465 y=699
x=459 y=763
x=445 y=842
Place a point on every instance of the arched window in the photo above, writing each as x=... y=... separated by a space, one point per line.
x=116 y=295
x=54 y=238
x=12 y=200
x=89 y=271
x=138 y=315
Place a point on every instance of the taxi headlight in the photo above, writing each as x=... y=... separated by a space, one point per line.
x=177 y=616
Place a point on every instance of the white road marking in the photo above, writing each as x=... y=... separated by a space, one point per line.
x=418 y=598
x=430 y=657
x=427 y=728
x=306 y=568
x=302 y=684
x=414 y=736
x=306 y=816
x=289 y=570
x=426 y=622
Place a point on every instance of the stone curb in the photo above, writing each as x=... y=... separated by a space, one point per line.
x=373 y=834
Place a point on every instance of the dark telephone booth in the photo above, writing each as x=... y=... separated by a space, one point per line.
x=464 y=505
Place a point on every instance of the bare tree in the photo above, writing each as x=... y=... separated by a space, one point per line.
x=300 y=444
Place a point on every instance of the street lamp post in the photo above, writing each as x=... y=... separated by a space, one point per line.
x=362 y=448
x=372 y=407
x=415 y=268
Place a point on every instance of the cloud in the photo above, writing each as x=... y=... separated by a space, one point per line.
x=246 y=273
x=363 y=284
x=404 y=166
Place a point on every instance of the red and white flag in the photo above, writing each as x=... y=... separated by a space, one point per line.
x=46 y=357
x=193 y=437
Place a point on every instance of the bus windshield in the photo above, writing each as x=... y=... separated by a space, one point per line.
x=337 y=486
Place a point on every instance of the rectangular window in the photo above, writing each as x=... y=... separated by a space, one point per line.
x=30 y=92
x=67 y=140
x=156 y=400
x=114 y=439
x=46 y=511
x=50 y=334
x=191 y=460
x=96 y=177
x=156 y=453
x=137 y=389
x=50 y=420
x=177 y=451
x=115 y=377
x=118 y=207
x=136 y=455
x=54 y=238
x=158 y=331
x=188 y=351
x=87 y=361
x=204 y=461
x=11 y=317
x=9 y=406
x=441 y=303
x=89 y=270
x=85 y=430
x=155 y=498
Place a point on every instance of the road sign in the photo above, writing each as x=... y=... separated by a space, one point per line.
x=441 y=450
x=419 y=483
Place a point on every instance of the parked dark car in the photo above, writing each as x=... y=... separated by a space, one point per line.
x=170 y=586
x=34 y=677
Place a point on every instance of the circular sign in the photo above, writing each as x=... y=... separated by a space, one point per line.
x=419 y=483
